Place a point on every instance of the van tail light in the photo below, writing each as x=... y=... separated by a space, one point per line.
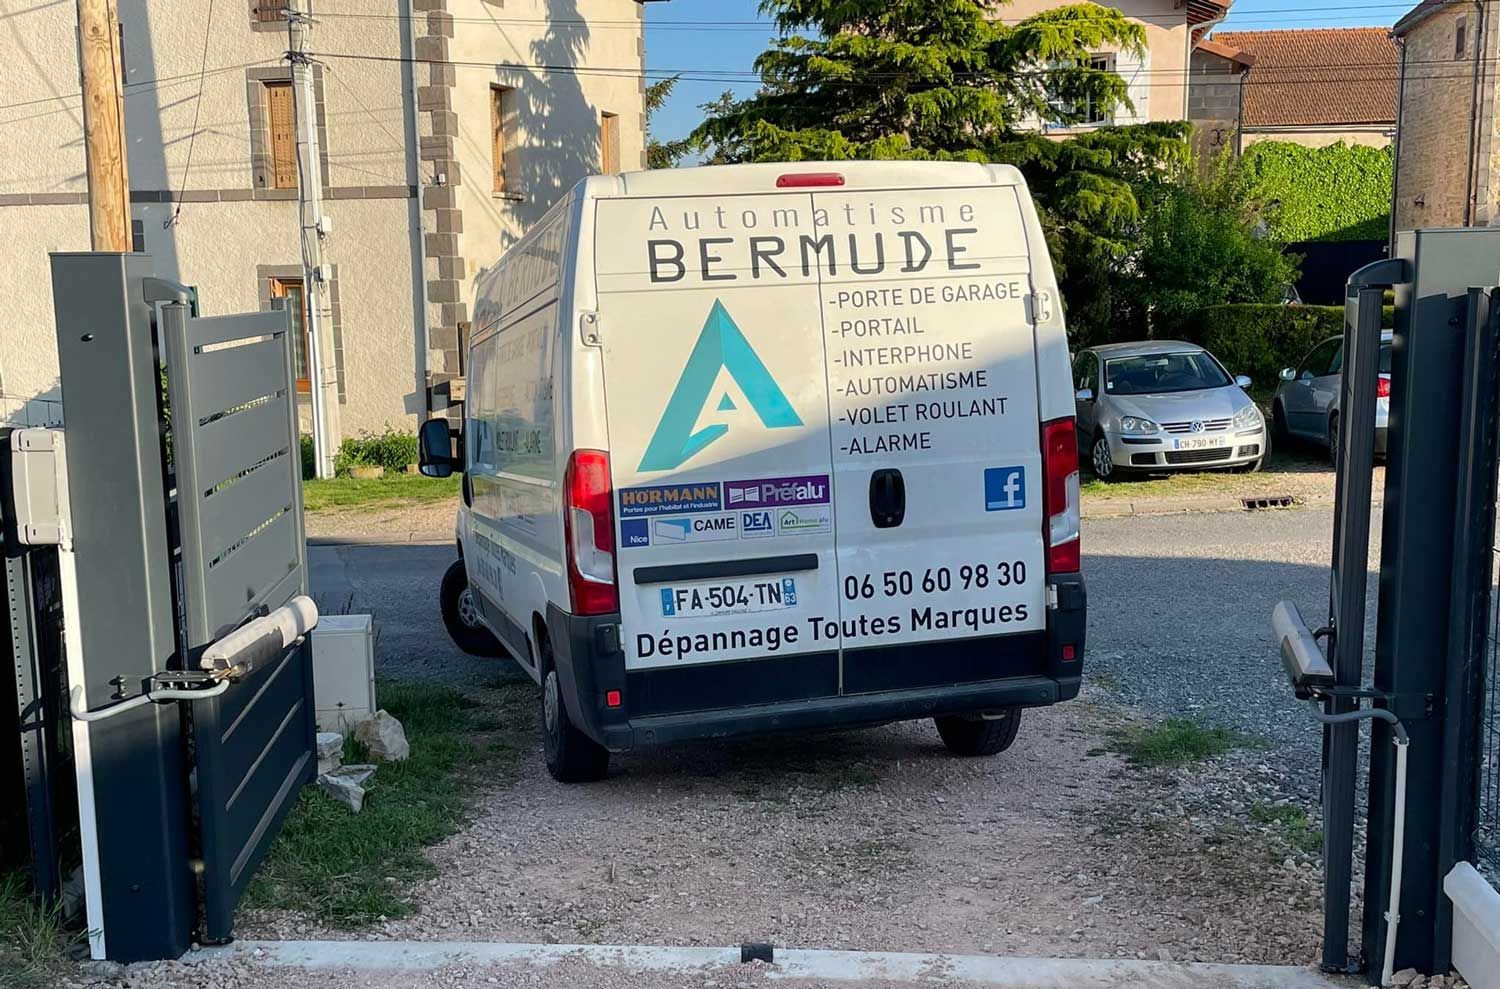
x=1383 y=386
x=589 y=529
x=809 y=180
x=1060 y=500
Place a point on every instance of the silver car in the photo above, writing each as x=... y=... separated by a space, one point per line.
x=1307 y=402
x=1163 y=405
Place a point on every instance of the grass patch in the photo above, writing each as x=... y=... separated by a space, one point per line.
x=1292 y=824
x=32 y=940
x=1284 y=466
x=398 y=489
x=1175 y=742
x=351 y=870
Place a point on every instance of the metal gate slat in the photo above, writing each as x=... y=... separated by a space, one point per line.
x=227 y=379
x=229 y=445
x=230 y=512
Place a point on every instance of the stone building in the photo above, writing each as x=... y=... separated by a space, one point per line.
x=1446 y=156
x=447 y=127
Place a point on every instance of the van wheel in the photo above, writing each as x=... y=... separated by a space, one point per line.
x=461 y=615
x=973 y=735
x=572 y=757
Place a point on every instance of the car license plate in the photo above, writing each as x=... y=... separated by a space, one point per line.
x=729 y=597
x=1201 y=442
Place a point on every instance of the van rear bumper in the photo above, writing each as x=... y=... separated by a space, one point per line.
x=811 y=691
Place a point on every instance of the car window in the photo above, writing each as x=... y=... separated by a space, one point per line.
x=1336 y=366
x=1156 y=374
x=1084 y=375
x=1385 y=358
x=1316 y=363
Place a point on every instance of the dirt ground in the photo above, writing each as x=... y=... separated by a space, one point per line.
x=871 y=840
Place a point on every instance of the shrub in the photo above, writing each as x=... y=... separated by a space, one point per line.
x=1261 y=340
x=1339 y=192
x=309 y=458
x=390 y=449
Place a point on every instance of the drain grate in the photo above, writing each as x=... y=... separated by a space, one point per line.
x=1268 y=502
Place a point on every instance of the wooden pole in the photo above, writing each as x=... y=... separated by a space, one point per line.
x=104 y=124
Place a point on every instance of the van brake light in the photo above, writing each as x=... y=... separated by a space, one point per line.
x=589 y=529
x=1060 y=498
x=1383 y=386
x=809 y=180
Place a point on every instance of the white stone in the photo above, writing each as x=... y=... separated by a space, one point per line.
x=384 y=737
x=330 y=751
x=347 y=785
x=1405 y=977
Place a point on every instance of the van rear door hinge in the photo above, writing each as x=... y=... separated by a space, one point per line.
x=588 y=325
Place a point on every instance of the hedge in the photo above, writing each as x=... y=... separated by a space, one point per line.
x=1261 y=340
x=1339 y=192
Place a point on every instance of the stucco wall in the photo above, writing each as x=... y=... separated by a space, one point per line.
x=1165 y=78
x=1436 y=110
x=1322 y=137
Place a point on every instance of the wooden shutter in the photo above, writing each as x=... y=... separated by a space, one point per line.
x=609 y=143
x=279 y=113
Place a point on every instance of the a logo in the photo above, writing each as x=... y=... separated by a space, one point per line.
x=1196 y=426
x=757 y=524
x=669 y=499
x=803 y=521
x=776 y=492
x=720 y=346
x=1004 y=489
x=704 y=529
x=635 y=533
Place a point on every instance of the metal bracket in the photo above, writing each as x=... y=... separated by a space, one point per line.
x=1407 y=707
x=40 y=488
x=589 y=325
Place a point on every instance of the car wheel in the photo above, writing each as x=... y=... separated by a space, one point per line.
x=572 y=757
x=461 y=615
x=1279 y=430
x=1333 y=440
x=1103 y=461
x=974 y=735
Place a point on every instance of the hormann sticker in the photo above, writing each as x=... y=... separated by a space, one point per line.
x=777 y=492
x=670 y=499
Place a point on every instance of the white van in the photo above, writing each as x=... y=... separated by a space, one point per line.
x=765 y=448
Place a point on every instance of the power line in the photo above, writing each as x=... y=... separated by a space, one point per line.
x=139 y=84
x=187 y=167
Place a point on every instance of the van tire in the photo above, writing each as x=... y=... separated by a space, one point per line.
x=572 y=757
x=460 y=617
x=972 y=735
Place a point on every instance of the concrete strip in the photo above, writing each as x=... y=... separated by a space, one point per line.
x=841 y=966
x=384 y=539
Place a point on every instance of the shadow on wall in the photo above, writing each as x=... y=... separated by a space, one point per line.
x=42 y=410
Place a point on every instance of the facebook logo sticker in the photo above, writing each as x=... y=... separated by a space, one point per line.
x=1004 y=489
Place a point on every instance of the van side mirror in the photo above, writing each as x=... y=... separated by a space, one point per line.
x=435 y=450
x=1243 y=380
x=1288 y=374
x=1084 y=395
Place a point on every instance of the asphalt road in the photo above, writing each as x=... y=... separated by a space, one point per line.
x=1179 y=614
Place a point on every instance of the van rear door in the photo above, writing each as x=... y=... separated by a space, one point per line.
x=936 y=443
x=717 y=409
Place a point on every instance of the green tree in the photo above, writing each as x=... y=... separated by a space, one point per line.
x=663 y=154
x=947 y=80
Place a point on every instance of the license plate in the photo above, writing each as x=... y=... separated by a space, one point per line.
x=729 y=597
x=1201 y=442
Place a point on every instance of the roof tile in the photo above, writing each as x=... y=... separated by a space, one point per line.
x=1318 y=76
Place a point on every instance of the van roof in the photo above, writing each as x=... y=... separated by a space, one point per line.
x=762 y=177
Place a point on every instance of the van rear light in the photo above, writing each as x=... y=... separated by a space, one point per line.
x=809 y=180
x=1383 y=386
x=1060 y=500
x=589 y=529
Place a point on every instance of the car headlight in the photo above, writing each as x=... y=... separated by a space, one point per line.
x=1137 y=425
x=1248 y=418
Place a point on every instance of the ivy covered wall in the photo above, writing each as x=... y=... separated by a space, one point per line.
x=1339 y=192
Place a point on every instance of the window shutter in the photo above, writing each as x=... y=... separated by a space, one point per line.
x=1136 y=71
x=283 y=128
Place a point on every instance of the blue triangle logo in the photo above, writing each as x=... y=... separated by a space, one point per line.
x=720 y=346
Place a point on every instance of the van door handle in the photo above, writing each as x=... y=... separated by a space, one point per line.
x=887 y=498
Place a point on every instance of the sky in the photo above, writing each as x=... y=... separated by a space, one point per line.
x=713 y=43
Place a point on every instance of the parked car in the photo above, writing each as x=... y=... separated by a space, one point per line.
x=812 y=466
x=1307 y=402
x=1164 y=405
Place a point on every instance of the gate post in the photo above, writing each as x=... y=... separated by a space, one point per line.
x=1417 y=584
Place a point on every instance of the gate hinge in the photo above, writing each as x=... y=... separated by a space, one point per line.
x=39 y=486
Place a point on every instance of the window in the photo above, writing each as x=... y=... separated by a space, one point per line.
x=1161 y=374
x=1319 y=361
x=1461 y=39
x=290 y=289
x=502 y=125
x=1085 y=371
x=281 y=120
x=609 y=143
x=1084 y=112
x=266 y=11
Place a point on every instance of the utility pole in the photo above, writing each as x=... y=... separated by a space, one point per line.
x=312 y=227
x=104 y=124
